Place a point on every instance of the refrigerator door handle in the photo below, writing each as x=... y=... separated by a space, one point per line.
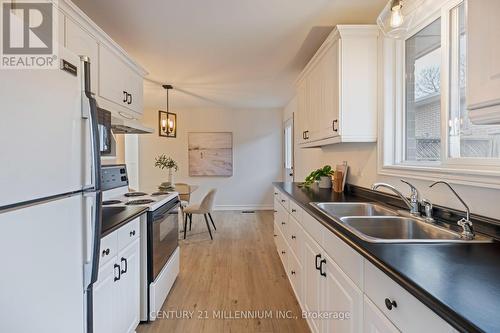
x=95 y=184
x=93 y=238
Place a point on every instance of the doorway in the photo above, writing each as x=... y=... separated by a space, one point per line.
x=288 y=150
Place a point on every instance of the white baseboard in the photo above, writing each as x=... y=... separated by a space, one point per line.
x=244 y=207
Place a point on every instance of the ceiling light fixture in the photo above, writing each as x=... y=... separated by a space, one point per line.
x=392 y=21
x=167 y=120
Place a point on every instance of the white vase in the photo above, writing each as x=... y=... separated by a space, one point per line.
x=171 y=177
x=325 y=182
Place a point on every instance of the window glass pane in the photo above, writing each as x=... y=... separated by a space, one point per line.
x=423 y=94
x=465 y=139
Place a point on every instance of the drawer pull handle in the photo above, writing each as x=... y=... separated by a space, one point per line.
x=293 y=272
x=318 y=256
x=283 y=252
x=283 y=200
x=275 y=235
x=294 y=210
x=132 y=233
x=105 y=252
x=390 y=304
x=321 y=267
x=283 y=223
x=275 y=193
x=275 y=211
x=123 y=271
x=119 y=272
x=293 y=237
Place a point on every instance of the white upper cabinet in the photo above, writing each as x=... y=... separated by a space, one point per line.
x=82 y=43
x=483 y=74
x=118 y=83
x=337 y=91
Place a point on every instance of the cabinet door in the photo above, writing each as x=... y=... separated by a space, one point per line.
x=483 y=60
x=129 y=288
x=112 y=77
x=81 y=43
x=136 y=90
x=374 y=320
x=312 y=283
x=342 y=300
x=302 y=116
x=104 y=291
x=329 y=122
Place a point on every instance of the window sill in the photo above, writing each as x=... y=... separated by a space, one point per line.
x=487 y=178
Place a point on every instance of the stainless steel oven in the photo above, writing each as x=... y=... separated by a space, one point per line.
x=162 y=239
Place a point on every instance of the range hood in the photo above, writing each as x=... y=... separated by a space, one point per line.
x=122 y=123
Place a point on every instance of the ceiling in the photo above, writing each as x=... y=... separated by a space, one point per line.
x=229 y=53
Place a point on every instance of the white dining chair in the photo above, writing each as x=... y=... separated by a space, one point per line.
x=205 y=207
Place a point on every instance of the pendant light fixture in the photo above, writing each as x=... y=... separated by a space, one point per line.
x=167 y=120
x=393 y=21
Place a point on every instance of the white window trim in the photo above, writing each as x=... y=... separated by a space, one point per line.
x=477 y=172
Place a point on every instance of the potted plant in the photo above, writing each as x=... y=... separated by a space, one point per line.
x=323 y=176
x=166 y=162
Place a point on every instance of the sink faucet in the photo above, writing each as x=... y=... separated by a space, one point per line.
x=413 y=204
x=465 y=223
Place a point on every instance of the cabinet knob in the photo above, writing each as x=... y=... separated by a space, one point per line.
x=294 y=210
x=283 y=200
x=105 y=252
x=132 y=233
x=275 y=211
x=275 y=235
x=292 y=272
x=293 y=237
x=390 y=304
x=283 y=223
x=283 y=252
x=275 y=193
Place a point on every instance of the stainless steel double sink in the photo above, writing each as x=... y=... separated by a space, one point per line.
x=377 y=224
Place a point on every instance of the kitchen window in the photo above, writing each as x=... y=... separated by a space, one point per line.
x=426 y=132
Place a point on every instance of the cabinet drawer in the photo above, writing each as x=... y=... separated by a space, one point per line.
x=285 y=201
x=314 y=228
x=109 y=248
x=409 y=314
x=345 y=256
x=295 y=275
x=128 y=233
x=282 y=250
x=296 y=237
x=296 y=211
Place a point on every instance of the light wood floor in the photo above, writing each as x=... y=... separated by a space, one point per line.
x=238 y=271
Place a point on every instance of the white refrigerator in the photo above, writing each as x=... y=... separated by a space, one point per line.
x=50 y=199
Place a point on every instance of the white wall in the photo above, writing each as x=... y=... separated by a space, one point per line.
x=257 y=154
x=362 y=160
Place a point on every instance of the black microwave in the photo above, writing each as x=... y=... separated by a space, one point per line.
x=104 y=126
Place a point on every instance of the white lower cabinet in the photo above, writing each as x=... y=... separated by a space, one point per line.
x=116 y=294
x=343 y=300
x=313 y=282
x=374 y=320
x=338 y=289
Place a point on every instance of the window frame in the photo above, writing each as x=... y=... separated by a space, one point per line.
x=392 y=124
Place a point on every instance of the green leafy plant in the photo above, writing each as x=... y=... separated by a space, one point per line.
x=166 y=162
x=326 y=171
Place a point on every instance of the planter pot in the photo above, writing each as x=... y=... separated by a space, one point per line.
x=325 y=182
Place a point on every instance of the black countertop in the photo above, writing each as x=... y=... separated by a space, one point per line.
x=115 y=217
x=460 y=282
